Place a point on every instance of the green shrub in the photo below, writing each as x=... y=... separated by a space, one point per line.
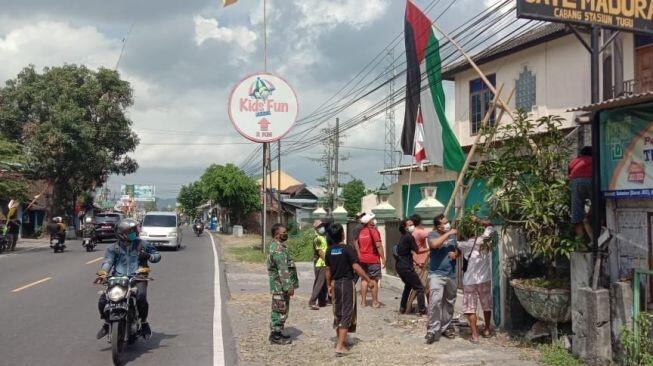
x=300 y=245
x=555 y=354
x=638 y=354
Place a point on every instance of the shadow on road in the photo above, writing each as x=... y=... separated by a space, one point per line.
x=141 y=347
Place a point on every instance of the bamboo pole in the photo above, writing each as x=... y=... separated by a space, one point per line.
x=485 y=144
x=487 y=82
x=472 y=150
x=410 y=169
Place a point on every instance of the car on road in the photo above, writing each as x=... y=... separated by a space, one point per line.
x=105 y=225
x=162 y=229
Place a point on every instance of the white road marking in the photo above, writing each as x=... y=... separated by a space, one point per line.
x=218 y=346
x=31 y=284
x=94 y=260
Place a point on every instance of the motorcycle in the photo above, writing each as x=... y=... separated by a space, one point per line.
x=198 y=228
x=4 y=243
x=57 y=243
x=121 y=313
x=90 y=240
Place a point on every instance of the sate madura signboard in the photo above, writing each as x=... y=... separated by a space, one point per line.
x=631 y=15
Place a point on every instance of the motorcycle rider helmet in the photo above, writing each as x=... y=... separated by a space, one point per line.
x=57 y=220
x=125 y=227
x=88 y=220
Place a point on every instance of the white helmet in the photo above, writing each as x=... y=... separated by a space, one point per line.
x=57 y=219
x=88 y=220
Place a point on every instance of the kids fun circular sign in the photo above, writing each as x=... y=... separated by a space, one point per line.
x=263 y=107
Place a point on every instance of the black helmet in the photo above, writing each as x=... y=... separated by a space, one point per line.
x=124 y=227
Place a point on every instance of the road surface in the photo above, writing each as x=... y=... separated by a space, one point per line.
x=48 y=308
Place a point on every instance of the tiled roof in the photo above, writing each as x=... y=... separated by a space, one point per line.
x=540 y=35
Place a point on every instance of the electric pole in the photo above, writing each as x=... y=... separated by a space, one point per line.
x=336 y=147
x=390 y=156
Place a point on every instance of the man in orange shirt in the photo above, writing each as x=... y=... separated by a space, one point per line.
x=419 y=259
x=580 y=180
x=371 y=257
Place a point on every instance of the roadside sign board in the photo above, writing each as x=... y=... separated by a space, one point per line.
x=139 y=192
x=263 y=107
x=627 y=152
x=629 y=15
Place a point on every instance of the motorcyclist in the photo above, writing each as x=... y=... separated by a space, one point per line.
x=128 y=257
x=57 y=230
x=198 y=221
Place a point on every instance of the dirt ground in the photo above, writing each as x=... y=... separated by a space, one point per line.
x=384 y=336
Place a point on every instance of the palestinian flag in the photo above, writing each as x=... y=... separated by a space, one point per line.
x=228 y=2
x=425 y=95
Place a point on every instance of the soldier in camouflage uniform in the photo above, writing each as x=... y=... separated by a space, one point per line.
x=283 y=282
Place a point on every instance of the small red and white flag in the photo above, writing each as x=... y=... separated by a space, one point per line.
x=419 y=153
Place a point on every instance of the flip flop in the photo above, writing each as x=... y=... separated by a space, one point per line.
x=341 y=354
x=474 y=341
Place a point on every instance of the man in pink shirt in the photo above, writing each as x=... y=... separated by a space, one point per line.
x=420 y=259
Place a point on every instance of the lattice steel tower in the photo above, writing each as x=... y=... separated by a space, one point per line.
x=390 y=153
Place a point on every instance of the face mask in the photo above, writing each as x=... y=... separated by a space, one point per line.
x=320 y=231
x=283 y=237
x=374 y=222
x=411 y=228
x=447 y=226
x=132 y=236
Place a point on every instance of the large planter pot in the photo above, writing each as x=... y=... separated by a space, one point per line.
x=549 y=305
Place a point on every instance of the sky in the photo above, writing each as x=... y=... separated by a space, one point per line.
x=182 y=59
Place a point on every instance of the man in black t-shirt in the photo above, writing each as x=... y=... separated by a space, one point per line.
x=342 y=261
x=13 y=229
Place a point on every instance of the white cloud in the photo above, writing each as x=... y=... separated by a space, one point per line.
x=355 y=13
x=47 y=43
x=241 y=37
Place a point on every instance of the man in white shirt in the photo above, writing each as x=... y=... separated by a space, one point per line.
x=477 y=281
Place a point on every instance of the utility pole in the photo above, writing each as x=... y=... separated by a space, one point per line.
x=336 y=148
x=264 y=196
x=389 y=156
x=279 y=179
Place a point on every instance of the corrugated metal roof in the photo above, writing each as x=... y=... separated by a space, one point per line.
x=539 y=35
x=623 y=101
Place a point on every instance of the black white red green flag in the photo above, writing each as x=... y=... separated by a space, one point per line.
x=425 y=98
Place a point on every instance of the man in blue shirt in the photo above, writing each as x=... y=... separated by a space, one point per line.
x=442 y=279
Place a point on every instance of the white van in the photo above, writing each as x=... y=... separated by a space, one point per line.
x=161 y=229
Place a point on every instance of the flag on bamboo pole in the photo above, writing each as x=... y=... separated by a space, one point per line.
x=228 y=2
x=425 y=95
x=418 y=151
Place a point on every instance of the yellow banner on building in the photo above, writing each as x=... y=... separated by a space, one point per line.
x=630 y=15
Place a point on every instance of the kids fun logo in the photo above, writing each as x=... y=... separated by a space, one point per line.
x=260 y=99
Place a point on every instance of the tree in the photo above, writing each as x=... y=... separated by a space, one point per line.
x=353 y=192
x=12 y=184
x=526 y=175
x=232 y=189
x=73 y=124
x=190 y=198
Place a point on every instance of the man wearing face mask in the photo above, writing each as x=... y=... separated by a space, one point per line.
x=319 y=297
x=442 y=279
x=283 y=282
x=128 y=257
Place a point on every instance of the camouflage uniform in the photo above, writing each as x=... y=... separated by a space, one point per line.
x=283 y=277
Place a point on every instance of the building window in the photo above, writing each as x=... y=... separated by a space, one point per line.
x=480 y=98
x=525 y=89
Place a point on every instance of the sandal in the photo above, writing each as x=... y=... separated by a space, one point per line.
x=474 y=341
x=314 y=307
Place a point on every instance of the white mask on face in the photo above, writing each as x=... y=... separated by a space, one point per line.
x=374 y=222
x=447 y=226
x=321 y=231
x=411 y=228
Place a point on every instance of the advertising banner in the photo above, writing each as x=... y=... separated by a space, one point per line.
x=629 y=15
x=263 y=107
x=627 y=152
x=144 y=193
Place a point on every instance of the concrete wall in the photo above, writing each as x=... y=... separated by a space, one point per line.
x=430 y=174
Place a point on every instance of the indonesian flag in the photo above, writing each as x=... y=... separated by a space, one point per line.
x=228 y=2
x=425 y=100
x=419 y=152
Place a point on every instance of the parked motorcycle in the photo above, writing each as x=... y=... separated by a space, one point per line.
x=4 y=243
x=198 y=228
x=121 y=313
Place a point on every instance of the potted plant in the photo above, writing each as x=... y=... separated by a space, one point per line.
x=525 y=170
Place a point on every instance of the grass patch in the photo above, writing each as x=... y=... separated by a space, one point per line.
x=251 y=254
x=556 y=355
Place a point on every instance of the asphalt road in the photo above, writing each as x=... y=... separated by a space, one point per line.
x=53 y=321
